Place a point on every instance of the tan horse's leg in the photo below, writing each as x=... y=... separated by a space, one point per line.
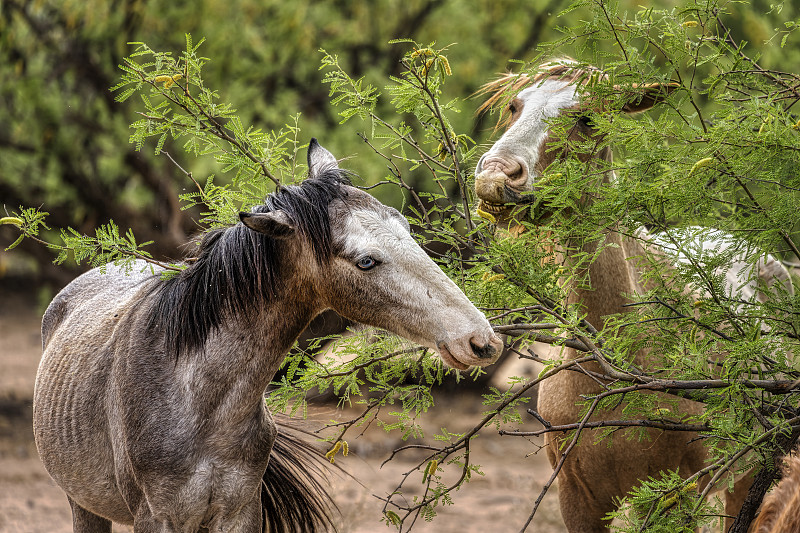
x=84 y=521
x=581 y=508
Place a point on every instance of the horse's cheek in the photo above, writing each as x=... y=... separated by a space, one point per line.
x=357 y=296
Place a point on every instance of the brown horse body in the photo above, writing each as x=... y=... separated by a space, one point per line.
x=148 y=405
x=593 y=476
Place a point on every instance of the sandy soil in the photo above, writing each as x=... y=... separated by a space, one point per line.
x=499 y=501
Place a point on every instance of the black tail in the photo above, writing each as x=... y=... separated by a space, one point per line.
x=293 y=497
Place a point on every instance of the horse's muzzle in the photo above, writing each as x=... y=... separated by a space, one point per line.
x=492 y=187
x=483 y=351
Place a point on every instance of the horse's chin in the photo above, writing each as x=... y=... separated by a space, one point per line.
x=493 y=212
x=450 y=360
x=510 y=217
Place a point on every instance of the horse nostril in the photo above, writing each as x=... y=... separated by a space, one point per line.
x=518 y=177
x=486 y=351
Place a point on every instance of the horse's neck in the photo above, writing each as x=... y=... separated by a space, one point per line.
x=241 y=358
x=608 y=282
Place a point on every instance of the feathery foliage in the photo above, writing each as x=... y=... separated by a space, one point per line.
x=721 y=153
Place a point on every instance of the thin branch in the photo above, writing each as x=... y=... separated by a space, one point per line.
x=560 y=464
x=122 y=251
x=372 y=360
x=655 y=424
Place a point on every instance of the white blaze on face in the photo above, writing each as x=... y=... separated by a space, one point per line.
x=412 y=295
x=523 y=140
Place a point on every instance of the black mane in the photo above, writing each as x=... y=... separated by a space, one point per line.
x=237 y=267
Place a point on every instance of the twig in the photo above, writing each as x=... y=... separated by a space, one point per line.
x=560 y=464
x=463 y=442
x=190 y=176
x=666 y=426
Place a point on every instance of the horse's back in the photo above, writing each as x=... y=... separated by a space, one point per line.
x=745 y=278
x=96 y=291
x=71 y=405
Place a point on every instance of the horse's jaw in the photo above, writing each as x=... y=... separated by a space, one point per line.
x=505 y=206
x=492 y=187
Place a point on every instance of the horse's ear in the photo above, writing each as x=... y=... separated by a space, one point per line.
x=275 y=224
x=319 y=159
x=646 y=96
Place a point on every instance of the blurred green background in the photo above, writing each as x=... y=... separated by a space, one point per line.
x=64 y=138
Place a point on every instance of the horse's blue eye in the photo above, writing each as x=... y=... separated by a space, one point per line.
x=366 y=263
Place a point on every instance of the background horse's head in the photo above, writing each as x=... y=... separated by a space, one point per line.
x=371 y=270
x=508 y=172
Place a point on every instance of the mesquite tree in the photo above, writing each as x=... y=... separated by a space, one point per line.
x=723 y=151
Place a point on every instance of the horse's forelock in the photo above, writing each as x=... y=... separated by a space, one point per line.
x=502 y=89
x=307 y=207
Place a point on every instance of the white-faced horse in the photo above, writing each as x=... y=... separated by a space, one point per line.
x=593 y=476
x=149 y=400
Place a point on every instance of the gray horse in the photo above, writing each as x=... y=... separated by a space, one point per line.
x=148 y=406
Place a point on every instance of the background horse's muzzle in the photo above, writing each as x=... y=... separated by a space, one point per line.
x=493 y=188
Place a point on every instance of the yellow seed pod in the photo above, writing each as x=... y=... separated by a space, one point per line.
x=768 y=120
x=796 y=125
x=168 y=81
x=446 y=65
x=172 y=80
x=432 y=466
x=424 y=52
x=430 y=469
x=668 y=502
x=442 y=152
x=487 y=216
x=393 y=518
x=690 y=24
x=705 y=162
x=495 y=278
x=331 y=455
x=547 y=178
x=345 y=448
x=11 y=220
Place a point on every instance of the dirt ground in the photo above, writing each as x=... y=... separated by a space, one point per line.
x=499 y=501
